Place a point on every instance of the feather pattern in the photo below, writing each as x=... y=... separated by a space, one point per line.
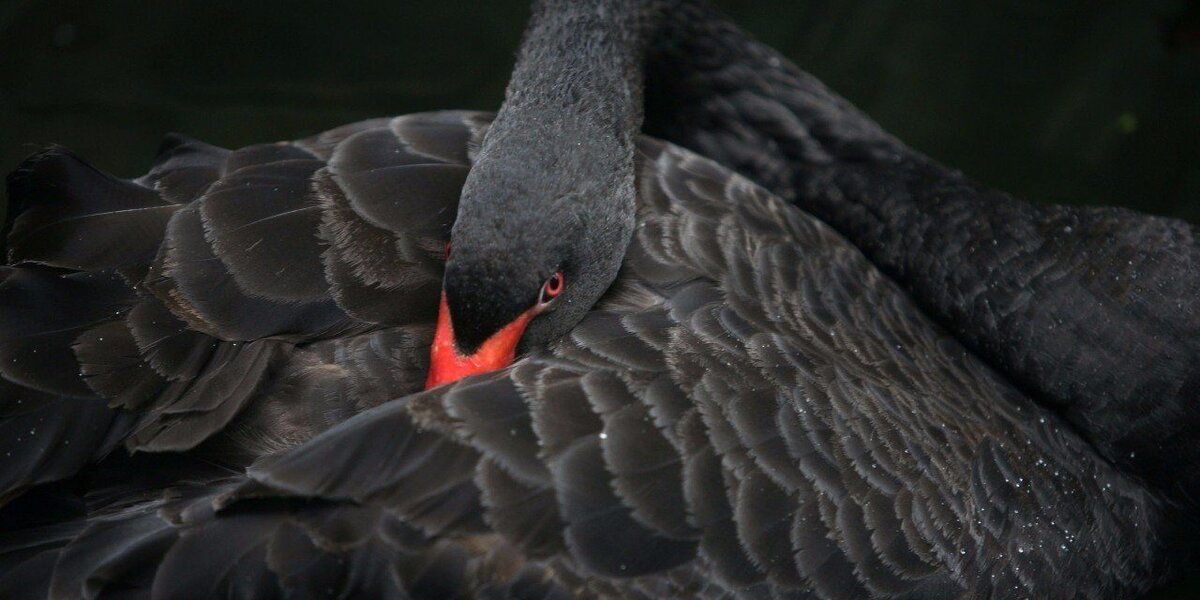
x=1024 y=286
x=753 y=410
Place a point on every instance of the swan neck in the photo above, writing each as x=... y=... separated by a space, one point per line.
x=581 y=62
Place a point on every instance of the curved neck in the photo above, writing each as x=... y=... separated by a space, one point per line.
x=1091 y=310
x=580 y=64
x=551 y=189
x=572 y=109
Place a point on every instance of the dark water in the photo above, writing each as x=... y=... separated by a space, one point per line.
x=1072 y=101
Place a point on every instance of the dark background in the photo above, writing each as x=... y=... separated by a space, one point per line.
x=1071 y=101
x=1074 y=101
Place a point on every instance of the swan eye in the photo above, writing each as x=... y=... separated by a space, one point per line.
x=553 y=287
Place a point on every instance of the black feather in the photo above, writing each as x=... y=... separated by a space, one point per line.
x=184 y=168
x=70 y=215
x=42 y=314
x=600 y=532
x=262 y=222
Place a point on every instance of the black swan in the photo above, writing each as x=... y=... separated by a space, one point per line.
x=750 y=409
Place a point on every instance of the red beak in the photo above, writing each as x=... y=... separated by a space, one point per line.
x=447 y=365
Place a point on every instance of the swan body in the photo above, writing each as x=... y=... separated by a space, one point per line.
x=726 y=397
x=753 y=408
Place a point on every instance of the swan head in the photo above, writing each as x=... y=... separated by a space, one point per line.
x=544 y=220
x=547 y=211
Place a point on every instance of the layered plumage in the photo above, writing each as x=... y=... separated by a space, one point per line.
x=1091 y=310
x=752 y=410
x=237 y=276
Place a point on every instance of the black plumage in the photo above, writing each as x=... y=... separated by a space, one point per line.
x=1024 y=286
x=752 y=408
x=733 y=417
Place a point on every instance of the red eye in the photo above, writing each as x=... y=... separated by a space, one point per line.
x=446 y=252
x=553 y=287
